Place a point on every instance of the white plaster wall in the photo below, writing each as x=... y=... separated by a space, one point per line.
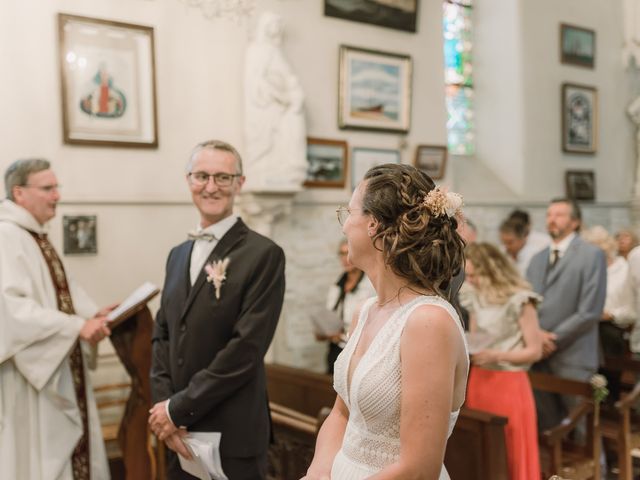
x=545 y=161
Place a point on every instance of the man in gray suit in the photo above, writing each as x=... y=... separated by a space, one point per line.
x=571 y=275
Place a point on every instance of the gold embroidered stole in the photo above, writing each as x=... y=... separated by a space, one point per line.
x=80 y=459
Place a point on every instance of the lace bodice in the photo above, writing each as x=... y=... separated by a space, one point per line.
x=372 y=437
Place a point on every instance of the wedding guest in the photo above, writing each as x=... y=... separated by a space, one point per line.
x=627 y=240
x=619 y=305
x=352 y=288
x=502 y=309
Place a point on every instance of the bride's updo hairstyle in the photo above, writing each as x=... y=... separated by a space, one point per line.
x=417 y=225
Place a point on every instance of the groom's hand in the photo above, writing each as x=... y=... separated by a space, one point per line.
x=160 y=422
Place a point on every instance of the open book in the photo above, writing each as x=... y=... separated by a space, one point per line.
x=133 y=303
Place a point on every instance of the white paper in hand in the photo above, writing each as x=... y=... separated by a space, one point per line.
x=205 y=449
x=138 y=295
x=326 y=322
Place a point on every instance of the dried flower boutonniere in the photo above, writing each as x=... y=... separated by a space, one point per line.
x=217 y=274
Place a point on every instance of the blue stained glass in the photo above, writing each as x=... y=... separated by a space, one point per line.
x=458 y=76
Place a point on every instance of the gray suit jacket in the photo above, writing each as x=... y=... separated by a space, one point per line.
x=574 y=292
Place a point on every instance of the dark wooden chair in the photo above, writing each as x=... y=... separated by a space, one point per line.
x=559 y=455
x=620 y=423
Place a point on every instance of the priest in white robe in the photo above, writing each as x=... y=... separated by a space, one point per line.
x=49 y=426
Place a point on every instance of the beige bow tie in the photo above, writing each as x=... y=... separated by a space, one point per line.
x=207 y=237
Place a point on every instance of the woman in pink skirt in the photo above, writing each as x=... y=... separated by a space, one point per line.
x=505 y=340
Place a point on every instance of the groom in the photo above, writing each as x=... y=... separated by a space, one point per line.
x=220 y=305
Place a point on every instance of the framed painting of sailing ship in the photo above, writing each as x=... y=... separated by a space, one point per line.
x=108 y=83
x=577 y=46
x=326 y=163
x=374 y=90
x=400 y=15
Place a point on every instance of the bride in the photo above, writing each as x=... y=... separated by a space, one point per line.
x=402 y=375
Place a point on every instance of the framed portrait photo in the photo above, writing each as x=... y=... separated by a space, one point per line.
x=577 y=46
x=580 y=184
x=362 y=159
x=326 y=163
x=579 y=118
x=108 y=83
x=432 y=160
x=374 y=90
x=79 y=234
x=398 y=15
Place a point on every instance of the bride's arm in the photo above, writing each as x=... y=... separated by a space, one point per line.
x=329 y=442
x=331 y=433
x=430 y=349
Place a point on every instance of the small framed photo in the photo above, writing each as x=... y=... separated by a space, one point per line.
x=108 y=83
x=326 y=163
x=79 y=234
x=577 y=46
x=374 y=90
x=432 y=160
x=579 y=118
x=398 y=15
x=580 y=184
x=362 y=159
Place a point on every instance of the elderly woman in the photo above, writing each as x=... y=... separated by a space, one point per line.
x=619 y=307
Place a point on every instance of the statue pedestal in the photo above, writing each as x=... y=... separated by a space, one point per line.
x=261 y=209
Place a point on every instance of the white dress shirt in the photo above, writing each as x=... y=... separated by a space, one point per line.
x=620 y=302
x=561 y=246
x=203 y=248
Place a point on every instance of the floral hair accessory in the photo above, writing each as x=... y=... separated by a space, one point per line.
x=217 y=274
x=440 y=201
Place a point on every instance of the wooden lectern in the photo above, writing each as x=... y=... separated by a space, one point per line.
x=131 y=339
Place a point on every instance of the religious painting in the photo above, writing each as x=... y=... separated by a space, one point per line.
x=375 y=90
x=579 y=118
x=79 y=234
x=580 y=184
x=108 y=83
x=397 y=14
x=326 y=163
x=362 y=159
x=577 y=46
x=431 y=159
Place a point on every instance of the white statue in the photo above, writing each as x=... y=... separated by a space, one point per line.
x=275 y=131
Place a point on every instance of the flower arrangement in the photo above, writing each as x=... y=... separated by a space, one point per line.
x=217 y=274
x=600 y=390
x=440 y=201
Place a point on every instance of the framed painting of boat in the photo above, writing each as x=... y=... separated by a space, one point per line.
x=108 y=83
x=374 y=90
x=397 y=14
x=326 y=163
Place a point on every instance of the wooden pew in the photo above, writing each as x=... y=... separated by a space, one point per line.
x=476 y=449
x=558 y=455
x=620 y=423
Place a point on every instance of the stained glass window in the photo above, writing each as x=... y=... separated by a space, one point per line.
x=458 y=76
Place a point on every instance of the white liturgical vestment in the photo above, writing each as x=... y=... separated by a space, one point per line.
x=40 y=423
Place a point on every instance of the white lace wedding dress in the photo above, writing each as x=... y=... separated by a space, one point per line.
x=372 y=438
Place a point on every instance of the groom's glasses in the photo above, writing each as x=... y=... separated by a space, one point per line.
x=200 y=179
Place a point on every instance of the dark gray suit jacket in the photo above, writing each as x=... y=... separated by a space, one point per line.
x=208 y=353
x=574 y=292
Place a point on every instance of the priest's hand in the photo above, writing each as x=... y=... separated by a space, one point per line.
x=160 y=422
x=175 y=443
x=95 y=329
x=104 y=311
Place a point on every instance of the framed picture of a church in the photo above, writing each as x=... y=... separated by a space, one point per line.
x=108 y=82
x=579 y=118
